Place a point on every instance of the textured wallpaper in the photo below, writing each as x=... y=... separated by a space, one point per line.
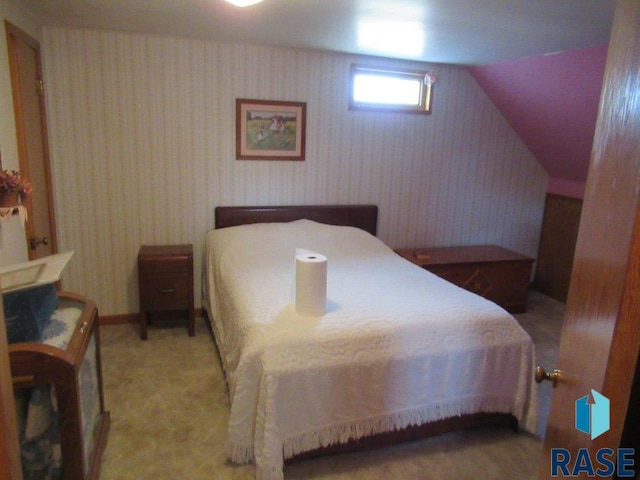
x=142 y=135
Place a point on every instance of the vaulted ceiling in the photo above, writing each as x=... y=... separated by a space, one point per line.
x=551 y=101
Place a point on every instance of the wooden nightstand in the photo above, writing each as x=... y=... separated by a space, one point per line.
x=493 y=272
x=165 y=276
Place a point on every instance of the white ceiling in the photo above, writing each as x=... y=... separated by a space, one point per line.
x=468 y=32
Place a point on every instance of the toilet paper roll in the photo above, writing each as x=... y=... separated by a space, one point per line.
x=311 y=283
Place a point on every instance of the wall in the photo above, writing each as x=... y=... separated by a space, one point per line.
x=12 y=238
x=143 y=148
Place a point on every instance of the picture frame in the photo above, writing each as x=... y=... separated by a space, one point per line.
x=270 y=130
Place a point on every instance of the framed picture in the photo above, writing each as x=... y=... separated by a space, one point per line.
x=270 y=130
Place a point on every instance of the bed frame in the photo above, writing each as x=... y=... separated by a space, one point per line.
x=364 y=217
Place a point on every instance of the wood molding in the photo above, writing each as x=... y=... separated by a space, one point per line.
x=10 y=466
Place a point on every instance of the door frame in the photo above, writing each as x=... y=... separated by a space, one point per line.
x=10 y=464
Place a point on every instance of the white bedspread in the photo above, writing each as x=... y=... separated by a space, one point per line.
x=398 y=346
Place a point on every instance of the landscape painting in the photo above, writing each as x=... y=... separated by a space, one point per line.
x=270 y=130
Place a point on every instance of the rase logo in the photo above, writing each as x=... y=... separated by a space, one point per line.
x=594 y=420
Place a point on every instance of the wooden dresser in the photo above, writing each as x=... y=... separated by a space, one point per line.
x=493 y=272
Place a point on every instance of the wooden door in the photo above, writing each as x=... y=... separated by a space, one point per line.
x=33 y=151
x=601 y=331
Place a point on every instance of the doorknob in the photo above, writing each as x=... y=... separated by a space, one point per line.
x=34 y=242
x=541 y=375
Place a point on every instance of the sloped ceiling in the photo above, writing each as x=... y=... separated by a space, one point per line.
x=551 y=101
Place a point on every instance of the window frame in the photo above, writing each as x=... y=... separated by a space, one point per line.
x=426 y=90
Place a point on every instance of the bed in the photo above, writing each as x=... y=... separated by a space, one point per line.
x=399 y=353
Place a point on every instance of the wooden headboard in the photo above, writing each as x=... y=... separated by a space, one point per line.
x=361 y=216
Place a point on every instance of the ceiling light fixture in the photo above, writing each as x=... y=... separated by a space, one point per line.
x=243 y=3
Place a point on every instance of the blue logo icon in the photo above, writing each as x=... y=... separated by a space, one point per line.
x=592 y=418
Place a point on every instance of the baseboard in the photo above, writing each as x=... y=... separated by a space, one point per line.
x=132 y=318
x=119 y=319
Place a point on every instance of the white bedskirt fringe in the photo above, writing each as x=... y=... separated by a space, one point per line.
x=270 y=462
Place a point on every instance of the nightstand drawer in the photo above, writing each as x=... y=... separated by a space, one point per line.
x=165 y=290
x=165 y=258
x=151 y=264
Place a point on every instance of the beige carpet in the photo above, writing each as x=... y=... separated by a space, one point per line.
x=169 y=409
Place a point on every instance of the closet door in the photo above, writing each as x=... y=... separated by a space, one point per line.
x=27 y=89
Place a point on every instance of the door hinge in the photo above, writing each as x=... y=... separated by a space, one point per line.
x=40 y=87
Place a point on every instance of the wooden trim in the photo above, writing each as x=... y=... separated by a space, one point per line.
x=10 y=466
x=119 y=319
x=101 y=433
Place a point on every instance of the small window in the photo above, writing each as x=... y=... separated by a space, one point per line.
x=390 y=90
